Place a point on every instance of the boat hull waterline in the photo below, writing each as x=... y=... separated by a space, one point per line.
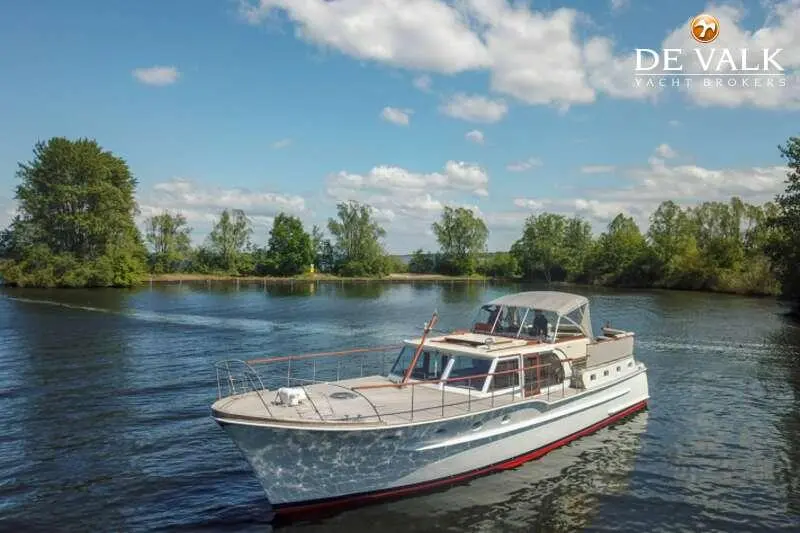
x=311 y=469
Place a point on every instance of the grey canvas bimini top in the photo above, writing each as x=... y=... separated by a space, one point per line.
x=561 y=303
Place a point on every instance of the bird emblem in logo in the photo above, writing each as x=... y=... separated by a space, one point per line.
x=704 y=28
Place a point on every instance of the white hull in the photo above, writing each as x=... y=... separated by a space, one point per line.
x=301 y=466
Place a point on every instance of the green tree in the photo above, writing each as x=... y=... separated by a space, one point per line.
x=621 y=255
x=358 y=248
x=674 y=244
x=290 y=248
x=499 y=265
x=168 y=236
x=229 y=237
x=395 y=265
x=462 y=237
x=541 y=247
x=324 y=256
x=718 y=232
x=784 y=248
x=577 y=247
x=422 y=262
x=75 y=225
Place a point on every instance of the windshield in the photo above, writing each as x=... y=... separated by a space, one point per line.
x=430 y=364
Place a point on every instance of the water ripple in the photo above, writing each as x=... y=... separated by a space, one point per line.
x=106 y=395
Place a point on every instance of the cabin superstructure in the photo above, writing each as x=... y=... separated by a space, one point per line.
x=514 y=332
x=536 y=345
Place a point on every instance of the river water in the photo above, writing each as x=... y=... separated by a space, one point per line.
x=105 y=400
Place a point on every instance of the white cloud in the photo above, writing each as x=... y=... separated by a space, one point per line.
x=648 y=185
x=619 y=5
x=666 y=151
x=410 y=201
x=614 y=75
x=8 y=208
x=401 y=117
x=529 y=203
x=474 y=108
x=778 y=31
x=674 y=123
x=157 y=75
x=536 y=57
x=202 y=204
x=423 y=82
x=283 y=143
x=456 y=176
x=475 y=136
x=597 y=169
x=522 y=166
x=414 y=34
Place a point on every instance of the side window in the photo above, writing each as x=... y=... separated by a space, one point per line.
x=463 y=367
x=507 y=379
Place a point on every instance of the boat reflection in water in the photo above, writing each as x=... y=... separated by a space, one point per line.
x=562 y=491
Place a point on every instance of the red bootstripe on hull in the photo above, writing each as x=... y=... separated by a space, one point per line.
x=288 y=509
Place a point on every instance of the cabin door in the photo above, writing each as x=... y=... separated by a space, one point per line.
x=532 y=375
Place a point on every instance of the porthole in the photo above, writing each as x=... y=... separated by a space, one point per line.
x=619 y=369
x=605 y=372
x=592 y=377
x=476 y=426
x=506 y=419
x=630 y=363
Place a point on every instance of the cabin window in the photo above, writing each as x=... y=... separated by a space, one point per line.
x=429 y=365
x=508 y=378
x=487 y=318
x=464 y=367
x=537 y=324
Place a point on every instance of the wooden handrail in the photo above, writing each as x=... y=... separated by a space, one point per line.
x=428 y=327
x=321 y=354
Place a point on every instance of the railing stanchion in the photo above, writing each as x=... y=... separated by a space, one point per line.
x=442 y=385
x=289 y=374
x=313 y=371
x=412 y=401
x=469 y=395
x=338 y=366
x=362 y=366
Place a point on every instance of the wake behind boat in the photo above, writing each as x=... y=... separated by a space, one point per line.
x=529 y=376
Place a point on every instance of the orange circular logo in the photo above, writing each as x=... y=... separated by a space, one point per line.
x=704 y=28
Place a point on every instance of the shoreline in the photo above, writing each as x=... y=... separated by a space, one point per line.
x=172 y=278
x=179 y=278
x=410 y=278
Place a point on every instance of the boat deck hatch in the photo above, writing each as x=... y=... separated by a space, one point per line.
x=342 y=395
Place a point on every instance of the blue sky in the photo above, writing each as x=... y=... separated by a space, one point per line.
x=511 y=109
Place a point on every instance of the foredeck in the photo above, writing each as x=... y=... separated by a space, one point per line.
x=370 y=400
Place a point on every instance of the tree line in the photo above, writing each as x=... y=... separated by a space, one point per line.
x=75 y=227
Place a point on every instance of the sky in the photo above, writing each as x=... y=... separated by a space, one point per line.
x=508 y=108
